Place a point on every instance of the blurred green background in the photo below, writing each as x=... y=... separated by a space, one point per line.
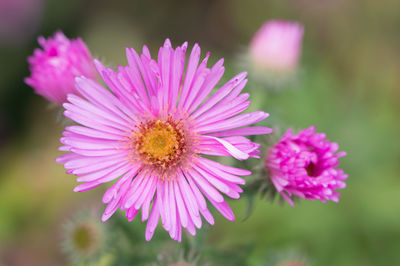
x=349 y=87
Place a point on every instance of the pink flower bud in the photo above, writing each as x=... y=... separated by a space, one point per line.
x=305 y=165
x=55 y=66
x=277 y=46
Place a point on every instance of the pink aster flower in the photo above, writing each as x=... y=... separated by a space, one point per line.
x=305 y=165
x=150 y=131
x=277 y=46
x=54 y=68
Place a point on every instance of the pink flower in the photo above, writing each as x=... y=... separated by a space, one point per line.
x=150 y=132
x=53 y=69
x=277 y=46
x=305 y=165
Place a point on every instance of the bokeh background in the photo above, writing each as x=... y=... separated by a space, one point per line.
x=349 y=87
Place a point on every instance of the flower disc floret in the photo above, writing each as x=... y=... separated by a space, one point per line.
x=159 y=143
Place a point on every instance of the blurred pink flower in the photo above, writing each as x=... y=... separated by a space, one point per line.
x=277 y=46
x=150 y=133
x=305 y=165
x=54 y=68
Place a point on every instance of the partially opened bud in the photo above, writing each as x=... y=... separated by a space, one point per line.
x=55 y=66
x=305 y=165
x=85 y=238
x=276 y=47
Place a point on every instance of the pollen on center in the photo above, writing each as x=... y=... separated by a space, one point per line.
x=160 y=143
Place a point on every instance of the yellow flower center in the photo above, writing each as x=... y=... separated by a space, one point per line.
x=160 y=143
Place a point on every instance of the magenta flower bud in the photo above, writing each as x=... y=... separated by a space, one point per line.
x=276 y=46
x=305 y=165
x=55 y=66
